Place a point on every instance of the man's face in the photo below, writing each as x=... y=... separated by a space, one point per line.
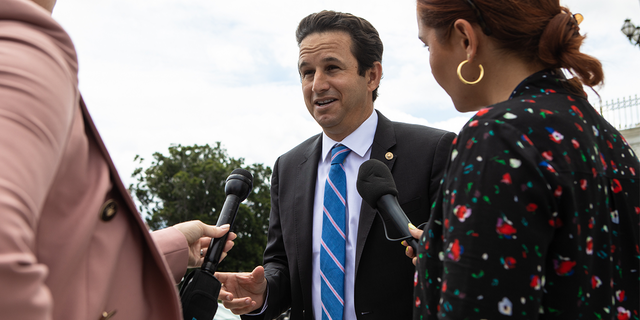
x=337 y=97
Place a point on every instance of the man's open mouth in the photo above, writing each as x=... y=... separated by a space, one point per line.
x=324 y=102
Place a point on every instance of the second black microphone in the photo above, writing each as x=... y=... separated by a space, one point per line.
x=378 y=189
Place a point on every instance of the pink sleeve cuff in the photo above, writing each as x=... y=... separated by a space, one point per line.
x=173 y=246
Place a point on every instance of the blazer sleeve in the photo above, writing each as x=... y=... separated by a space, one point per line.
x=440 y=159
x=175 y=249
x=275 y=260
x=38 y=100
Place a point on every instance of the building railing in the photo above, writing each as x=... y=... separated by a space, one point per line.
x=622 y=114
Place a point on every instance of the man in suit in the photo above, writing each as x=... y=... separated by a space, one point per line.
x=340 y=70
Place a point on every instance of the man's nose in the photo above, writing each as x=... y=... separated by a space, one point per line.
x=320 y=83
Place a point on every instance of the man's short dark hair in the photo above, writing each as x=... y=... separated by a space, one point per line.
x=366 y=44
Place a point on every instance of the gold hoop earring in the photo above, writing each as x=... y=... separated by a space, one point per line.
x=463 y=79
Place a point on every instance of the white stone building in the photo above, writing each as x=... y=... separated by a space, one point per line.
x=625 y=116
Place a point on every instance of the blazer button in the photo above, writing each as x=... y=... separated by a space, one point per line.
x=108 y=210
x=107 y=315
x=388 y=156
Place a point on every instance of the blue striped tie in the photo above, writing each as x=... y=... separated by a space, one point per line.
x=332 y=252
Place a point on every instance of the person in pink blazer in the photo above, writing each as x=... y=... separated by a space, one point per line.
x=72 y=245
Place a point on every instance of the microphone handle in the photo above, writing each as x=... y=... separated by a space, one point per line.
x=394 y=217
x=216 y=246
x=414 y=245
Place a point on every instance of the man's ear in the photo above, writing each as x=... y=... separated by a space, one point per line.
x=466 y=37
x=374 y=75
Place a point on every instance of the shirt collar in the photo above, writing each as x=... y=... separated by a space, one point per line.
x=358 y=141
x=541 y=82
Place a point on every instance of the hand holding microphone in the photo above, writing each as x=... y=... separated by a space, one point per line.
x=199 y=292
x=377 y=188
x=199 y=235
x=237 y=188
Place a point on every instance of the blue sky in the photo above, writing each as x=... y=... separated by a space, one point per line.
x=161 y=72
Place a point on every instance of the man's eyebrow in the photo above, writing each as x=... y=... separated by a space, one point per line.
x=331 y=59
x=325 y=60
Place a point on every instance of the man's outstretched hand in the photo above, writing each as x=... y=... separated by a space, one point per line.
x=243 y=292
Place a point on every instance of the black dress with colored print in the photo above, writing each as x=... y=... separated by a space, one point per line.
x=537 y=216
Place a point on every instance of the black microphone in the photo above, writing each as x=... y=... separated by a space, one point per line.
x=377 y=188
x=237 y=188
x=200 y=288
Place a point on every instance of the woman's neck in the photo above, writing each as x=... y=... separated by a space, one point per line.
x=507 y=73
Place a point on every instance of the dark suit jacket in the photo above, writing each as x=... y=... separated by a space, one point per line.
x=384 y=275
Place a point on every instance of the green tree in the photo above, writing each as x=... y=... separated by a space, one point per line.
x=188 y=184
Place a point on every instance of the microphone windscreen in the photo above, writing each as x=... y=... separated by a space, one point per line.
x=239 y=183
x=244 y=173
x=374 y=181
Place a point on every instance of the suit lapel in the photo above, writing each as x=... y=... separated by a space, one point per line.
x=91 y=130
x=115 y=177
x=305 y=182
x=383 y=141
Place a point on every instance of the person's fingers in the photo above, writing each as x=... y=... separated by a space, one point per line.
x=206 y=241
x=228 y=246
x=409 y=252
x=255 y=280
x=196 y=229
x=223 y=276
x=414 y=260
x=203 y=252
x=225 y=295
x=215 y=232
x=240 y=306
x=252 y=286
x=258 y=274
x=224 y=252
x=204 y=247
x=415 y=232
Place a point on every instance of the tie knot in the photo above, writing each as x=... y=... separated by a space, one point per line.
x=339 y=153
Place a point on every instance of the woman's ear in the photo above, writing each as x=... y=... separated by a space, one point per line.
x=466 y=38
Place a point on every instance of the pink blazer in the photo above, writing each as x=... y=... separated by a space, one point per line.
x=72 y=245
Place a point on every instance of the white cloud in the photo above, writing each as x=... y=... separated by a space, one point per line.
x=159 y=72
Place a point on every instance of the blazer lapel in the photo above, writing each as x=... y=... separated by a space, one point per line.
x=115 y=177
x=91 y=130
x=305 y=182
x=383 y=141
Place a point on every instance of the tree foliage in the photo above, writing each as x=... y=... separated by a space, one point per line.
x=188 y=184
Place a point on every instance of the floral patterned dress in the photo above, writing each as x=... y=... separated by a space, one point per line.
x=537 y=216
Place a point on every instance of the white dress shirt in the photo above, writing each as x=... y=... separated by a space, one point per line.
x=359 y=142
